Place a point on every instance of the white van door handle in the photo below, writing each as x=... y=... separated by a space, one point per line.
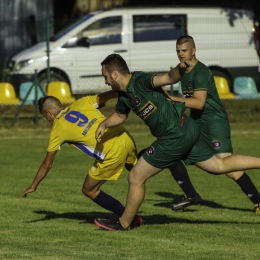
x=120 y=51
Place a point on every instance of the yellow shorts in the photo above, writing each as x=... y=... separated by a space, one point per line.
x=122 y=152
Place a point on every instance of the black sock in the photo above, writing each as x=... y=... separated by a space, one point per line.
x=108 y=202
x=249 y=188
x=180 y=174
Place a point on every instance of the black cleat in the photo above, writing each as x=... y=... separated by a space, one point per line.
x=109 y=224
x=186 y=202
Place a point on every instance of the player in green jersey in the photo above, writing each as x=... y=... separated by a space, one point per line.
x=177 y=136
x=201 y=96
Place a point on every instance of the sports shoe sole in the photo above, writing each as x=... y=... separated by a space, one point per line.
x=184 y=204
x=103 y=227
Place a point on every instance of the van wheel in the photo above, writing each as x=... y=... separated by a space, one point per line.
x=224 y=75
x=53 y=77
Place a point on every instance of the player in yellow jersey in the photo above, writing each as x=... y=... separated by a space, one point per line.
x=76 y=125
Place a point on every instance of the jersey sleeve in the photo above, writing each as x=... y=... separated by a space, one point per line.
x=201 y=79
x=145 y=82
x=121 y=106
x=92 y=100
x=54 y=142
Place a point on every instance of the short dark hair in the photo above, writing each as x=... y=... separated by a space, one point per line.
x=186 y=38
x=42 y=100
x=115 y=62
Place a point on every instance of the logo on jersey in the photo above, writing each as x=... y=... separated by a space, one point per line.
x=188 y=93
x=150 y=151
x=216 y=144
x=137 y=101
x=146 y=110
x=190 y=85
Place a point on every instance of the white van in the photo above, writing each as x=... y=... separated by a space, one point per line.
x=146 y=39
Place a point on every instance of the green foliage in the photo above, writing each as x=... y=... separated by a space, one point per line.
x=56 y=221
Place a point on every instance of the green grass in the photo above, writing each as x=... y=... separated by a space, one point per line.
x=56 y=221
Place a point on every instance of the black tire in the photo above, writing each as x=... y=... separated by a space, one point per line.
x=53 y=77
x=220 y=73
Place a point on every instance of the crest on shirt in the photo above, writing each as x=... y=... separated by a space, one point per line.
x=216 y=144
x=137 y=101
x=150 y=151
x=190 y=85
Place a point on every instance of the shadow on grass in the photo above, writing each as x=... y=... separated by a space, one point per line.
x=154 y=219
x=85 y=217
x=178 y=198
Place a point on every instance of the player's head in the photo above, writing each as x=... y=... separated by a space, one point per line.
x=185 y=48
x=113 y=66
x=48 y=107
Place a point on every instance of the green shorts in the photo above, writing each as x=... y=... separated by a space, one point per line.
x=187 y=145
x=217 y=135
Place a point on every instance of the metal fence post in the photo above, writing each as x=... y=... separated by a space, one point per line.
x=34 y=85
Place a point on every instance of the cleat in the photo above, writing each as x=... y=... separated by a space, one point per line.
x=186 y=202
x=137 y=221
x=110 y=224
x=257 y=208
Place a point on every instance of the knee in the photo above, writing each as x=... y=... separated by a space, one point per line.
x=87 y=193
x=133 y=179
x=235 y=175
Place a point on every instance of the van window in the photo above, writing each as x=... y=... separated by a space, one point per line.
x=159 y=27
x=104 y=31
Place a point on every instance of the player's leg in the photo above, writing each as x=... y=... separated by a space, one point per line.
x=229 y=164
x=191 y=197
x=179 y=171
x=136 y=192
x=245 y=183
x=108 y=169
x=180 y=174
x=91 y=189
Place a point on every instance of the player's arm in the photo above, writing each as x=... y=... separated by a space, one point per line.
x=173 y=76
x=196 y=102
x=42 y=172
x=113 y=120
x=104 y=97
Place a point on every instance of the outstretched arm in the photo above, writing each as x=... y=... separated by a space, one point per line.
x=113 y=120
x=173 y=76
x=196 y=102
x=42 y=172
x=104 y=97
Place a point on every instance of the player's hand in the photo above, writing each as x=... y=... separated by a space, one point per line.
x=186 y=64
x=99 y=132
x=28 y=190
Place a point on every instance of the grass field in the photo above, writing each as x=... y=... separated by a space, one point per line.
x=56 y=221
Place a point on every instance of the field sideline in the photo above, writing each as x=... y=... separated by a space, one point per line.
x=56 y=221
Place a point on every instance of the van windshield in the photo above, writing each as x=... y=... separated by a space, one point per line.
x=70 y=27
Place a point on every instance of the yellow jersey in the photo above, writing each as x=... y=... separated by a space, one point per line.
x=77 y=124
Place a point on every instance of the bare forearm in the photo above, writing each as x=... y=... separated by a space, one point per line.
x=176 y=74
x=171 y=77
x=114 y=120
x=42 y=172
x=104 y=97
x=189 y=102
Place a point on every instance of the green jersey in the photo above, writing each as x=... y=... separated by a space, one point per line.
x=143 y=99
x=201 y=78
x=174 y=140
x=213 y=118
